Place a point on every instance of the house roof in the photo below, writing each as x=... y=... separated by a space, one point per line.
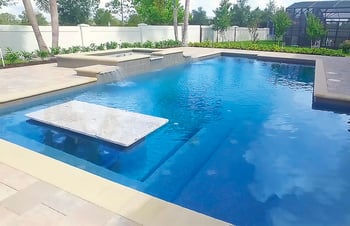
x=321 y=4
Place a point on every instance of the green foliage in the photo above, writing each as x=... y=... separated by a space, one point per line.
x=102 y=46
x=8 y=19
x=27 y=56
x=221 y=20
x=240 y=13
x=315 y=29
x=55 y=51
x=134 y=20
x=345 y=46
x=77 y=11
x=147 y=44
x=268 y=46
x=104 y=17
x=159 y=45
x=12 y=56
x=5 y=3
x=111 y=45
x=199 y=17
x=167 y=44
x=39 y=17
x=75 y=49
x=281 y=22
x=123 y=8
x=42 y=54
x=158 y=11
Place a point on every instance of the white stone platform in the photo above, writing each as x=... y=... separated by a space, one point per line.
x=109 y=124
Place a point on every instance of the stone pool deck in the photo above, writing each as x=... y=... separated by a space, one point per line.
x=38 y=190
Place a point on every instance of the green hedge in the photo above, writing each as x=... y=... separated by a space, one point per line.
x=268 y=46
x=15 y=57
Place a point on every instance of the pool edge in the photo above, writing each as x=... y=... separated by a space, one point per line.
x=127 y=202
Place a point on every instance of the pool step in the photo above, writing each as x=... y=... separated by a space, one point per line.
x=103 y=73
x=169 y=179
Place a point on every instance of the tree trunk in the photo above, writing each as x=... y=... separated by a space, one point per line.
x=34 y=23
x=175 y=20
x=185 y=28
x=54 y=23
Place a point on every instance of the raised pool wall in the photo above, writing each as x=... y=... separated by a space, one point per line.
x=142 y=62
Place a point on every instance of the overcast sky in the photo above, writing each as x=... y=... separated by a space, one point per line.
x=208 y=5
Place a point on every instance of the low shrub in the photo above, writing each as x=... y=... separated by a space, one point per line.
x=55 y=51
x=27 y=56
x=42 y=54
x=268 y=46
x=112 y=45
x=11 y=56
x=345 y=46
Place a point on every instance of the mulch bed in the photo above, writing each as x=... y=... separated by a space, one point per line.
x=30 y=63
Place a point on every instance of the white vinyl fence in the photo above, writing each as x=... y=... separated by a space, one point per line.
x=21 y=38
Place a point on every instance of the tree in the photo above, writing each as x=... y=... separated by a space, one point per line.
x=267 y=14
x=4 y=3
x=281 y=22
x=104 y=18
x=199 y=17
x=39 y=17
x=54 y=23
x=157 y=11
x=123 y=8
x=254 y=20
x=314 y=29
x=175 y=10
x=221 y=19
x=134 y=19
x=8 y=19
x=185 y=27
x=34 y=23
x=240 y=13
x=76 y=12
x=271 y=7
x=50 y=6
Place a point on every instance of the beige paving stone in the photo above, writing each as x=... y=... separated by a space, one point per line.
x=26 y=199
x=15 y=178
x=64 y=202
x=6 y=191
x=121 y=221
x=37 y=81
x=19 y=181
x=7 y=218
x=40 y=215
x=87 y=215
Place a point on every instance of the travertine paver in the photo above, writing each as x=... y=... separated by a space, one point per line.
x=6 y=191
x=337 y=71
x=16 y=83
x=109 y=124
x=42 y=204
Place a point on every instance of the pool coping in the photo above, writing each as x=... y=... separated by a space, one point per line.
x=132 y=204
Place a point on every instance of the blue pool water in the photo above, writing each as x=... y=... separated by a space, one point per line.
x=243 y=143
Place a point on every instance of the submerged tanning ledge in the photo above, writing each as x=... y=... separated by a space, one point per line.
x=109 y=124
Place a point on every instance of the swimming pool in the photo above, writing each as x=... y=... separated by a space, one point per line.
x=243 y=143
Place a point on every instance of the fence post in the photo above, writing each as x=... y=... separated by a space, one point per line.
x=81 y=32
x=2 y=58
x=141 y=27
x=235 y=33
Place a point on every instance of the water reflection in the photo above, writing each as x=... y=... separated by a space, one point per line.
x=293 y=76
x=107 y=155
x=309 y=178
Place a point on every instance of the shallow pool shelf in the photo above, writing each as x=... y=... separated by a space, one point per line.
x=109 y=124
